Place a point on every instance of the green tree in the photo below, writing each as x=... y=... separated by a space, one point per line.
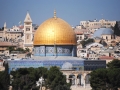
x=11 y=48
x=114 y=74
x=117 y=29
x=25 y=78
x=20 y=49
x=114 y=64
x=89 y=41
x=109 y=78
x=85 y=42
x=1 y=80
x=27 y=50
x=41 y=72
x=98 y=79
x=113 y=79
x=4 y=79
x=56 y=79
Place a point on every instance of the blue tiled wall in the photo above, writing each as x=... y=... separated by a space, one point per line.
x=55 y=50
x=37 y=63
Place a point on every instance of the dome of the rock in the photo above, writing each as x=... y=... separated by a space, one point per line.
x=54 y=31
x=54 y=37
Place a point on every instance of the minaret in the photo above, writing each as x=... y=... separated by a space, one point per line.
x=28 y=35
x=5 y=25
x=4 y=31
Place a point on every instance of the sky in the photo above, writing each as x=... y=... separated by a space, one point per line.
x=72 y=11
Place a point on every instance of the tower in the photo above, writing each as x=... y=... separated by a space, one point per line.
x=4 y=32
x=5 y=25
x=28 y=35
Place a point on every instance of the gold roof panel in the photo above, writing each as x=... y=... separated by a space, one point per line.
x=54 y=31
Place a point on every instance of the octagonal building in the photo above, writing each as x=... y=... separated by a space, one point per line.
x=54 y=37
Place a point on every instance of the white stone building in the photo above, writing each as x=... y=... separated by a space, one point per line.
x=96 y=23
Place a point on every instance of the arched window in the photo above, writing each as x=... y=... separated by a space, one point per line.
x=27 y=29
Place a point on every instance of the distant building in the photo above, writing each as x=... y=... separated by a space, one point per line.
x=4 y=46
x=21 y=35
x=81 y=33
x=93 y=25
x=11 y=34
x=98 y=24
x=105 y=35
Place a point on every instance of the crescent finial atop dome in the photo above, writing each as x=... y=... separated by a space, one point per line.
x=55 y=14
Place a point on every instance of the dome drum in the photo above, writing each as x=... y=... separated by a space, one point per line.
x=55 y=50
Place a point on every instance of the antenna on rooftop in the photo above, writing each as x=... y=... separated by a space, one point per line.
x=102 y=16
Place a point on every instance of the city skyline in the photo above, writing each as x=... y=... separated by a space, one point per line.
x=12 y=12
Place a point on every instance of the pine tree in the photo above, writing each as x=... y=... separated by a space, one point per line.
x=117 y=28
x=4 y=79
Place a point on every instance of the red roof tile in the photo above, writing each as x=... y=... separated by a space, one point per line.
x=7 y=44
x=106 y=57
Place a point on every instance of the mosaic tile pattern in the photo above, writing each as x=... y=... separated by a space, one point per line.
x=51 y=50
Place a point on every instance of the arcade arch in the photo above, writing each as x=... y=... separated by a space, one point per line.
x=78 y=78
x=87 y=79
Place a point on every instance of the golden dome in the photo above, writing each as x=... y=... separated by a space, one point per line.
x=54 y=31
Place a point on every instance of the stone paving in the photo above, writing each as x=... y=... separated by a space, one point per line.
x=72 y=87
x=81 y=87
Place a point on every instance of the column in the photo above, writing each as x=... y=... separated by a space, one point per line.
x=84 y=79
x=67 y=78
x=75 y=79
x=79 y=81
